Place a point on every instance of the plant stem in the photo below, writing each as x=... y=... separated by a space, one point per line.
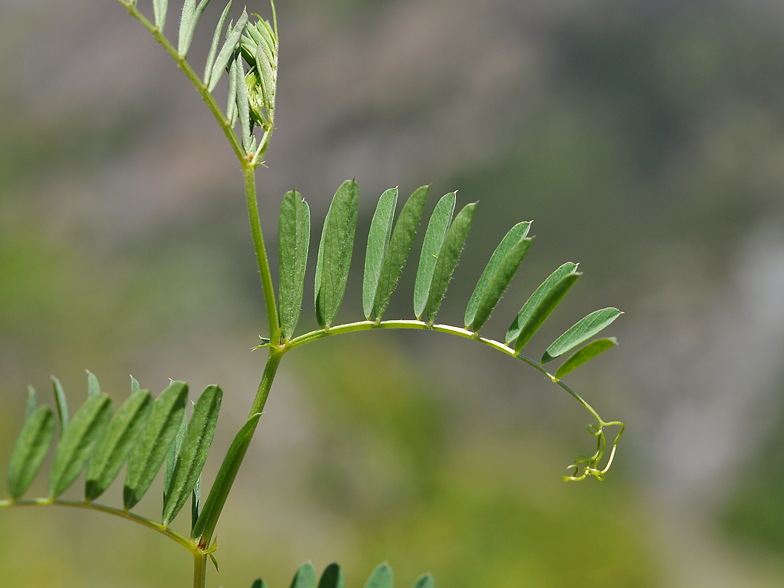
x=199 y=570
x=189 y=545
x=273 y=361
x=261 y=252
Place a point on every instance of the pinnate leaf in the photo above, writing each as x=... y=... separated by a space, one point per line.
x=154 y=442
x=431 y=247
x=77 y=442
x=193 y=453
x=332 y=577
x=447 y=259
x=334 y=256
x=399 y=248
x=216 y=499
x=293 y=244
x=524 y=316
x=30 y=450
x=381 y=577
x=378 y=242
x=116 y=443
x=580 y=332
x=585 y=355
x=305 y=577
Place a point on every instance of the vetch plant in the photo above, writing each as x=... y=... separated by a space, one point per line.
x=146 y=434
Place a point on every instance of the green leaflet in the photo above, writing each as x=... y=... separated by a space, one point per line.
x=61 y=403
x=30 y=450
x=332 y=577
x=431 y=246
x=525 y=313
x=190 y=18
x=425 y=581
x=154 y=442
x=585 y=355
x=159 y=8
x=214 y=46
x=171 y=456
x=305 y=577
x=500 y=282
x=381 y=577
x=77 y=442
x=335 y=249
x=399 y=248
x=293 y=244
x=231 y=104
x=580 y=332
x=243 y=107
x=116 y=443
x=213 y=506
x=93 y=387
x=222 y=60
x=258 y=583
x=134 y=386
x=31 y=401
x=193 y=453
x=447 y=259
x=196 y=503
x=515 y=234
x=378 y=242
x=543 y=309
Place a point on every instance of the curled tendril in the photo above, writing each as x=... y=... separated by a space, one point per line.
x=590 y=465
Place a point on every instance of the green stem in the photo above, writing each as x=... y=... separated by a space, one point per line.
x=261 y=252
x=199 y=570
x=124 y=514
x=273 y=361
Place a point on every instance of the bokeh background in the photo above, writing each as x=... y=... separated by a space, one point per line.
x=646 y=139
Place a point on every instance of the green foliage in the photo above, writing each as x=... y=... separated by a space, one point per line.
x=145 y=434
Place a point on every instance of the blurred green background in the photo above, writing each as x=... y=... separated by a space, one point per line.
x=646 y=139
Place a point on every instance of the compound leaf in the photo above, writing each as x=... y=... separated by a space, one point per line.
x=61 y=403
x=30 y=450
x=305 y=577
x=334 y=256
x=193 y=453
x=399 y=248
x=381 y=577
x=154 y=442
x=332 y=577
x=214 y=46
x=580 y=332
x=293 y=244
x=216 y=499
x=116 y=443
x=543 y=308
x=486 y=280
x=425 y=581
x=526 y=311
x=431 y=247
x=378 y=242
x=448 y=258
x=585 y=355
x=222 y=60
x=77 y=442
